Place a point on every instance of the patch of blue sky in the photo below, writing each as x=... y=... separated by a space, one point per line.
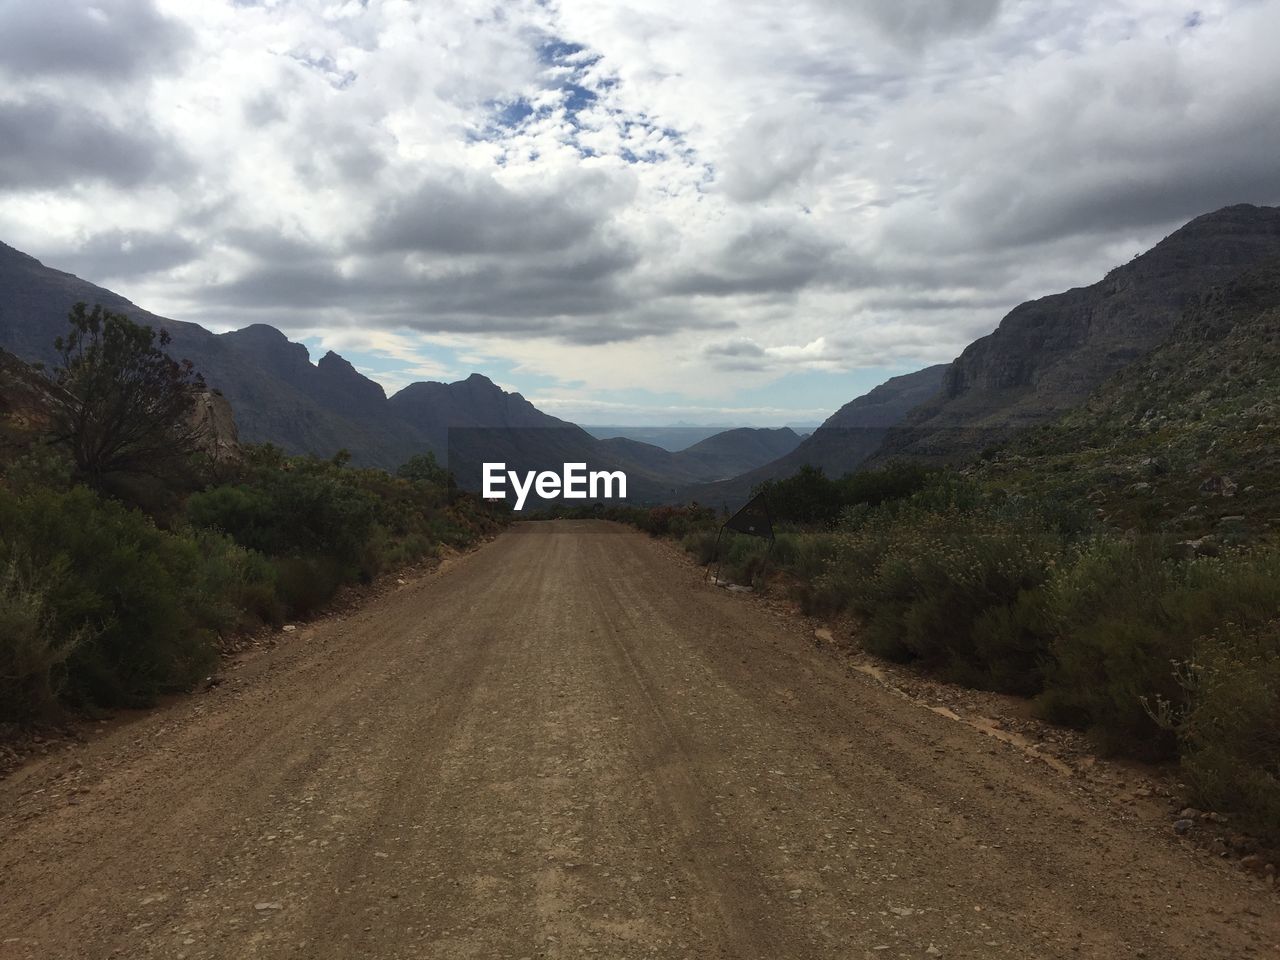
x=511 y=114
x=327 y=67
x=555 y=52
x=576 y=99
x=574 y=87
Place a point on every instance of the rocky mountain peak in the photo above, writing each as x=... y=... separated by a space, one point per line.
x=1047 y=355
x=339 y=376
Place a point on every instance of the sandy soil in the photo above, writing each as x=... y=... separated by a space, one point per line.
x=566 y=745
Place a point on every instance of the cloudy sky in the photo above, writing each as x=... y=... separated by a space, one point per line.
x=648 y=211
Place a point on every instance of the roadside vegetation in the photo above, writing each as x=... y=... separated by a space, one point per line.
x=1157 y=653
x=129 y=551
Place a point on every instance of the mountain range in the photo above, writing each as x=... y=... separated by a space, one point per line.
x=1046 y=358
x=280 y=396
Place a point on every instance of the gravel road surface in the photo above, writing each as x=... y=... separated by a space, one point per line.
x=566 y=745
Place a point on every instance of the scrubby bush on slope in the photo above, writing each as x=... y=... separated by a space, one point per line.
x=924 y=580
x=1229 y=730
x=33 y=652
x=102 y=604
x=120 y=595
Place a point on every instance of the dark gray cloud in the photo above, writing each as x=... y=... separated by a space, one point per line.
x=115 y=254
x=388 y=286
x=264 y=109
x=914 y=23
x=111 y=40
x=560 y=296
x=769 y=257
x=297 y=285
x=46 y=143
x=272 y=246
x=480 y=216
x=1166 y=188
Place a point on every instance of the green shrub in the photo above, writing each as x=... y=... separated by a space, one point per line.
x=33 y=653
x=312 y=509
x=101 y=607
x=1124 y=616
x=743 y=558
x=305 y=584
x=1012 y=642
x=424 y=470
x=702 y=544
x=327 y=516
x=235 y=587
x=675 y=521
x=890 y=483
x=241 y=512
x=1230 y=731
x=803 y=555
x=923 y=582
x=809 y=496
x=42 y=467
x=129 y=585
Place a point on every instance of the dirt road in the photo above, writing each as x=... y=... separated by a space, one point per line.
x=566 y=745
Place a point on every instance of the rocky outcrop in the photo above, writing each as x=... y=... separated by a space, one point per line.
x=338 y=380
x=216 y=425
x=27 y=402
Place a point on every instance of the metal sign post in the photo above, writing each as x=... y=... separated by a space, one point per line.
x=753 y=520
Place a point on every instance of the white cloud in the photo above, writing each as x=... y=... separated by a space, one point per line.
x=694 y=198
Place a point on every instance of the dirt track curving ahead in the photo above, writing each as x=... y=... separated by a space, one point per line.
x=566 y=745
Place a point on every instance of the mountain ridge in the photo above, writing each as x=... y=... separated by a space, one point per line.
x=280 y=396
x=1184 y=440
x=1048 y=354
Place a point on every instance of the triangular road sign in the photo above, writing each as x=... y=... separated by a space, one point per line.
x=753 y=519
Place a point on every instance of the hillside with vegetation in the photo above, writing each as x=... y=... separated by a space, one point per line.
x=1048 y=355
x=1182 y=442
x=842 y=443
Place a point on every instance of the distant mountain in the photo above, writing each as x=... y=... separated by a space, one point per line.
x=733 y=452
x=279 y=396
x=1186 y=439
x=1047 y=355
x=674 y=438
x=843 y=443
